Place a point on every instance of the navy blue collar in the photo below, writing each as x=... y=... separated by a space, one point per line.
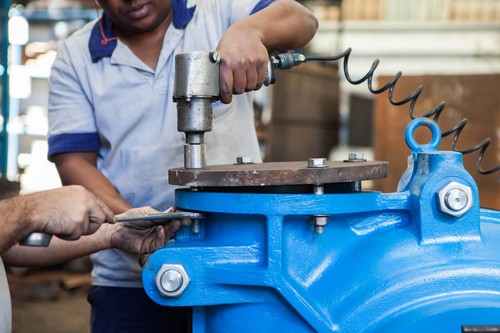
x=103 y=40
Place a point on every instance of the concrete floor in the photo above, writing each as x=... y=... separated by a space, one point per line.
x=70 y=314
x=49 y=300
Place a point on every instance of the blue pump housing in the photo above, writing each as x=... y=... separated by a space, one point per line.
x=423 y=259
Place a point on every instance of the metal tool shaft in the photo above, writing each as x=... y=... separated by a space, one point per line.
x=196 y=87
x=161 y=217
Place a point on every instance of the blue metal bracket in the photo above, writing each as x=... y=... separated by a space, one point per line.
x=423 y=259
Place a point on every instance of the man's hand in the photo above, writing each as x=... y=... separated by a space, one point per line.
x=144 y=236
x=245 y=46
x=244 y=60
x=68 y=212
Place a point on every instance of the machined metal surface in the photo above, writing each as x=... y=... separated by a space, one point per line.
x=277 y=173
x=196 y=88
x=172 y=280
x=195 y=156
x=161 y=217
x=196 y=75
x=455 y=199
x=194 y=116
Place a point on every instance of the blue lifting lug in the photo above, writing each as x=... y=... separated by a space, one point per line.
x=417 y=147
x=444 y=196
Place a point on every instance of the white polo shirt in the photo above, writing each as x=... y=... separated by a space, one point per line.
x=5 y=303
x=103 y=98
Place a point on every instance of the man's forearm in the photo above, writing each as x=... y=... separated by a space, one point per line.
x=13 y=225
x=58 y=251
x=285 y=24
x=80 y=169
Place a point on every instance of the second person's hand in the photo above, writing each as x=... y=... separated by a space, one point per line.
x=145 y=236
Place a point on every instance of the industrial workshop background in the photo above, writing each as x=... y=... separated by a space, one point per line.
x=451 y=47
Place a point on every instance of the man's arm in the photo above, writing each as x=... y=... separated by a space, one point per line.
x=136 y=238
x=81 y=169
x=284 y=24
x=68 y=212
x=245 y=46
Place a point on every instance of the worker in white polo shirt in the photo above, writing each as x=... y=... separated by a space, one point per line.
x=113 y=121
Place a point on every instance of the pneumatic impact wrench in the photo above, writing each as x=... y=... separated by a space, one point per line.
x=196 y=87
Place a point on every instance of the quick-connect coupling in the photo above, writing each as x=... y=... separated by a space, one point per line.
x=288 y=60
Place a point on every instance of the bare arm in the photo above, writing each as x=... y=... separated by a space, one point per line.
x=58 y=251
x=284 y=24
x=68 y=212
x=81 y=169
x=140 y=238
x=245 y=46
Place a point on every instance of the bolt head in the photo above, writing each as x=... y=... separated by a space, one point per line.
x=317 y=163
x=216 y=57
x=171 y=280
x=321 y=220
x=244 y=160
x=355 y=157
x=455 y=199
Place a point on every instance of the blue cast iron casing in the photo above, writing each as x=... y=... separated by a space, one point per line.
x=386 y=262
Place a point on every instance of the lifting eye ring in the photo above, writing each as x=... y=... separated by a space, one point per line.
x=410 y=135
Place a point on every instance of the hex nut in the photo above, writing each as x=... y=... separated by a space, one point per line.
x=317 y=163
x=244 y=160
x=455 y=199
x=171 y=280
x=355 y=157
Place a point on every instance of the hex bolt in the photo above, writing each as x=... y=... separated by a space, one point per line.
x=216 y=57
x=319 y=222
x=244 y=160
x=195 y=226
x=317 y=163
x=355 y=157
x=319 y=189
x=455 y=199
x=171 y=280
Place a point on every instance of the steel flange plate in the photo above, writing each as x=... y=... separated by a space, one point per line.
x=277 y=173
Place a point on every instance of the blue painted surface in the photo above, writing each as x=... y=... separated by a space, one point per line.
x=386 y=262
x=4 y=84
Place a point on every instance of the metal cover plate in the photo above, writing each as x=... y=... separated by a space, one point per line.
x=277 y=173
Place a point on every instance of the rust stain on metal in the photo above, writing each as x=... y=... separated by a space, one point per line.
x=277 y=173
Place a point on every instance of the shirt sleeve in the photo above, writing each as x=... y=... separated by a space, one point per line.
x=72 y=125
x=237 y=10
